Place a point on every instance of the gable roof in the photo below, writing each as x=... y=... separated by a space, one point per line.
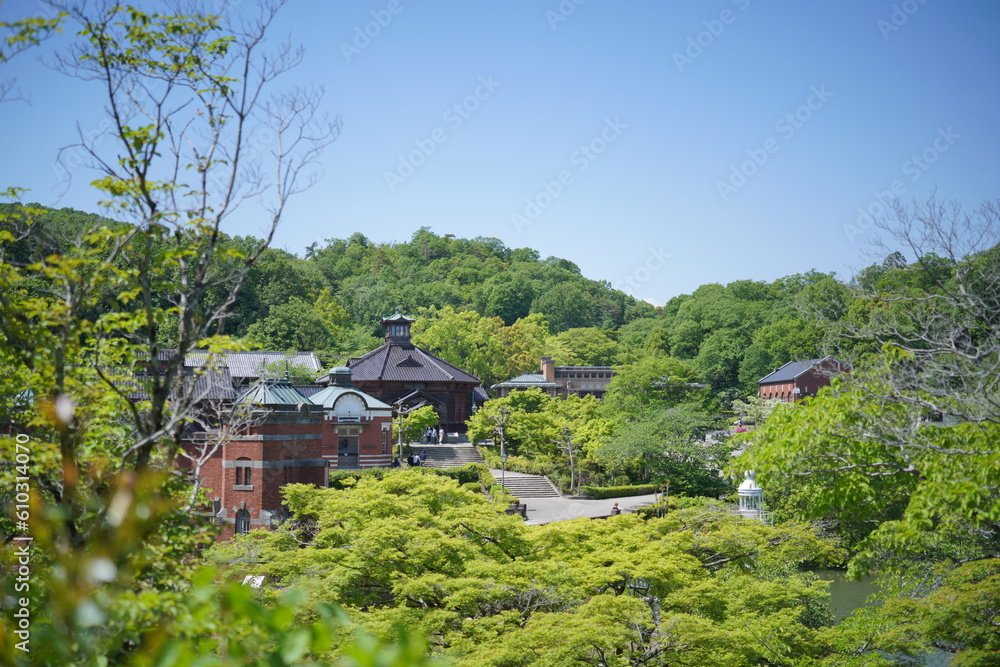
x=405 y=363
x=791 y=370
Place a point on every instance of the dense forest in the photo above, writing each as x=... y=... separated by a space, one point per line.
x=494 y=310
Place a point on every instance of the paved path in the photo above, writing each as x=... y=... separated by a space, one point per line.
x=547 y=510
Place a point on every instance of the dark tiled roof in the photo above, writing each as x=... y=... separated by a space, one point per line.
x=308 y=390
x=251 y=364
x=479 y=394
x=405 y=363
x=210 y=384
x=215 y=384
x=789 y=371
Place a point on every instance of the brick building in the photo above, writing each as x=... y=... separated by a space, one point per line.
x=356 y=426
x=798 y=379
x=282 y=443
x=290 y=439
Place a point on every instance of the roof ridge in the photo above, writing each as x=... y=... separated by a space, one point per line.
x=434 y=361
x=385 y=362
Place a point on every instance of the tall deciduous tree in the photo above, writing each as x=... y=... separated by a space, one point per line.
x=104 y=403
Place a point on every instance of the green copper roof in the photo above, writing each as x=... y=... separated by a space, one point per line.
x=275 y=392
x=328 y=396
x=398 y=317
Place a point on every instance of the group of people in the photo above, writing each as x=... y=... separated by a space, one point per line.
x=411 y=460
x=434 y=434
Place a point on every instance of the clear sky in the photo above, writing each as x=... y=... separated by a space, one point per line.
x=659 y=145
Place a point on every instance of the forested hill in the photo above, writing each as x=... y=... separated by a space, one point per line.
x=494 y=309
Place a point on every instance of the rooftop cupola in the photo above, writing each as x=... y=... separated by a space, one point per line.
x=397 y=329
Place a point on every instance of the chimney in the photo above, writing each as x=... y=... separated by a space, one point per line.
x=548 y=369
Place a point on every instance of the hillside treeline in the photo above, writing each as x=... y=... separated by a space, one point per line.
x=494 y=310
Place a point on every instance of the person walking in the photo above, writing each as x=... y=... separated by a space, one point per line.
x=616 y=510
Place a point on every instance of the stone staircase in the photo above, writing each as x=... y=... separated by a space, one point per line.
x=521 y=485
x=449 y=456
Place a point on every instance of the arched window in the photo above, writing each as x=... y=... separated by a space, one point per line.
x=244 y=472
x=242 y=522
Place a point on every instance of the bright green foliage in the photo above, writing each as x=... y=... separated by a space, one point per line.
x=291 y=326
x=90 y=383
x=961 y=615
x=533 y=424
x=868 y=461
x=483 y=346
x=653 y=383
x=700 y=586
x=418 y=421
x=537 y=419
x=669 y=445
x=581 y=347
x=17 y=36
x=755 y=409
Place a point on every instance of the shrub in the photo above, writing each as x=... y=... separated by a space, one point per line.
x=618 y=491
x=470 y=472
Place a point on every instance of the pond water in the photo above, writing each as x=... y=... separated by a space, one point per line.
x=846 y=595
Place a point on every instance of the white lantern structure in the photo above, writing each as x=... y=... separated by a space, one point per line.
x=752 y=500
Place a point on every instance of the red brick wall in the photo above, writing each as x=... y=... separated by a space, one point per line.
x=266 y=481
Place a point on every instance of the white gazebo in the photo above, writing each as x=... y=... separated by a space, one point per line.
x=752 y=500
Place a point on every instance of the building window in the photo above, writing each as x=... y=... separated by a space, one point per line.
x=242 y=522
x=244 y=472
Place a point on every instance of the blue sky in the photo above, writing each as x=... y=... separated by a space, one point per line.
x=658 y=145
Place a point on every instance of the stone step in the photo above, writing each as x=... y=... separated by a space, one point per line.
x=533 y=486
x=444 y=456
